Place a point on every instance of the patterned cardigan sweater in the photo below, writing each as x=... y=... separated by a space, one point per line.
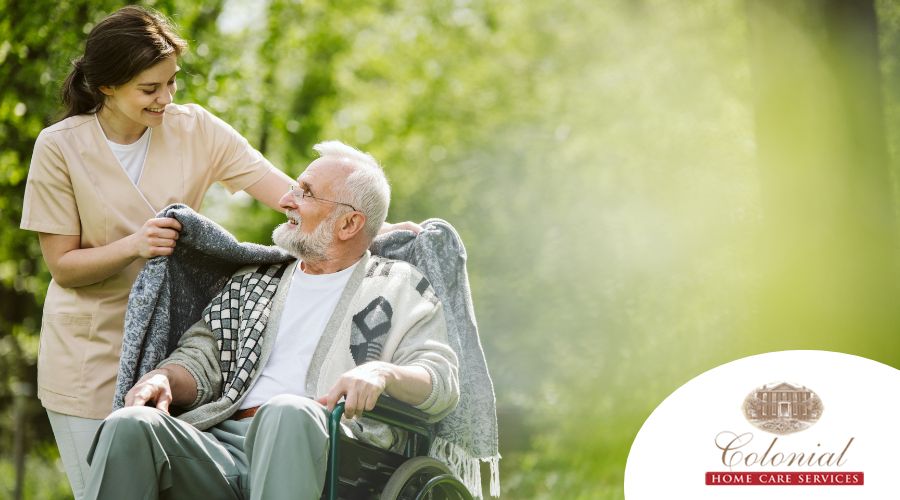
x=387 y=312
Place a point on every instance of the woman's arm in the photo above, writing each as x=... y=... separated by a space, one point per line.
x=271 y=188
x=72 y=266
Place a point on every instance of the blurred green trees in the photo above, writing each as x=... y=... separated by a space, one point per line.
x=830 y=254
x=599 y=160
x=36 y=42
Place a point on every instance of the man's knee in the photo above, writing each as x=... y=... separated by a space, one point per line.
x=134 y=415
x=294 y=409
x=130 y=421
x=126 y=431
x=287 y=447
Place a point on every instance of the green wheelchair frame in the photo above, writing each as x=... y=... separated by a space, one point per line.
x=357 y=470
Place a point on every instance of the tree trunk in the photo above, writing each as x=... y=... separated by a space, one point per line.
x=828 y=247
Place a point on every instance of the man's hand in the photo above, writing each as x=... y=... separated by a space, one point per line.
x=360 y=387
x=152 y=387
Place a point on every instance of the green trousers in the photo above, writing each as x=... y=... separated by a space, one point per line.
x=143 y=453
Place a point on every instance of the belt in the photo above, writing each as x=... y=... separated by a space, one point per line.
x=245 y=413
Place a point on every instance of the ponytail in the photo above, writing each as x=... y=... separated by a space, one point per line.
x=119 y=47
x=77 y=95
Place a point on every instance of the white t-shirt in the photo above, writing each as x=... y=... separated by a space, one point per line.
x=308 y=307
x=132 y=156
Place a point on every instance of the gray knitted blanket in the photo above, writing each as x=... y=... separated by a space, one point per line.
x=468 y=436
x=171 y=292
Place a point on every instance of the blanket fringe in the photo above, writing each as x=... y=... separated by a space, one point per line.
x=495 y=475
x=466 y=467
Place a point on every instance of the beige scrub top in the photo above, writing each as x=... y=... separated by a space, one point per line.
x=76 y=186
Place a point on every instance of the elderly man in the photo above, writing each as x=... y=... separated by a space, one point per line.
x=277 y=349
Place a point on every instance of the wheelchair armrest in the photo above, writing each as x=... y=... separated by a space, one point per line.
x=395 y=413
x=388 y=407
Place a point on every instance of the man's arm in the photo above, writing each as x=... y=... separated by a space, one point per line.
x=163 y=387
x=188 y=377
x=362 y=386
x=422 y=371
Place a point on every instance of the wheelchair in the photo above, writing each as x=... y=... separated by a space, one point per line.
x=357 y=470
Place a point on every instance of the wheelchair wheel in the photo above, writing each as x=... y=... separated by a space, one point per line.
x=424 y=478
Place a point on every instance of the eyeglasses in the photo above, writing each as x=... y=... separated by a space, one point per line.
x=299 y=194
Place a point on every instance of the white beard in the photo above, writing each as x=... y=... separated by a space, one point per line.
x=312 y=247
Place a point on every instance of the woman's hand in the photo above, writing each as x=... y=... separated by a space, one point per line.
x=400 y=226
x=156 y=237
x=72 y=266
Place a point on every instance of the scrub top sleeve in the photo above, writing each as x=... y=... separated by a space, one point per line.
x=237 y=165
x=49 y=205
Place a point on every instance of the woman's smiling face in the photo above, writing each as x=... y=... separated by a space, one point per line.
x=141 y=102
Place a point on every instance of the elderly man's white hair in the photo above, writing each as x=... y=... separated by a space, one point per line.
x=366 y=188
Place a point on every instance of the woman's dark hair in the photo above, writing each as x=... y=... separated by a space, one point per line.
x=119 y=47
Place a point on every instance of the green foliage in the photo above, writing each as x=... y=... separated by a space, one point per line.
x=35 y=45
x=45 y=479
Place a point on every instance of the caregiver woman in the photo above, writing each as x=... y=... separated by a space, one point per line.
x=123 y=151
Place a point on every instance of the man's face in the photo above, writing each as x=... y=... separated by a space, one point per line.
x=310 y=229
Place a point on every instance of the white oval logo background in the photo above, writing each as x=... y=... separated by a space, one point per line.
x=676 y=445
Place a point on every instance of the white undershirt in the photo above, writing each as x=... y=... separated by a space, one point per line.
x=131 y=156
x=308 y=307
